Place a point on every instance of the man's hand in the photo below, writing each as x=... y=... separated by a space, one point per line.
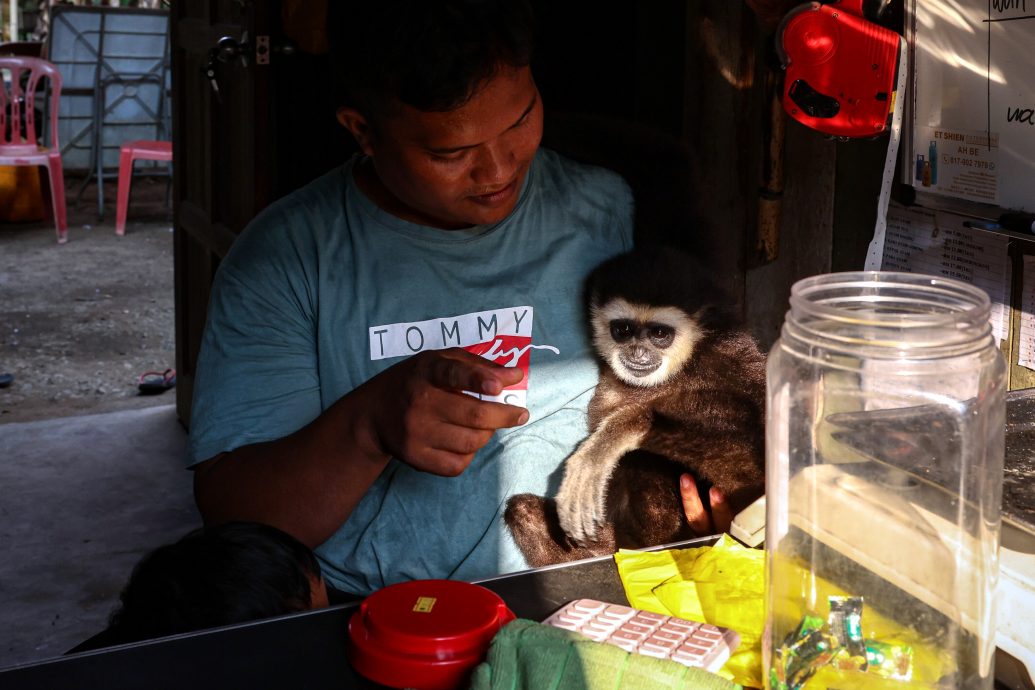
x=309 y=482
x=417 y=410
x=700 y=521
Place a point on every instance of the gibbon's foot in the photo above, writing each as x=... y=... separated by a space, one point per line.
x=533 y=524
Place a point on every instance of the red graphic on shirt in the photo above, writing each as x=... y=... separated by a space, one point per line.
x=503 y=336
x=508 y=351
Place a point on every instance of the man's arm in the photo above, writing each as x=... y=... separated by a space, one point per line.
x=309 y=482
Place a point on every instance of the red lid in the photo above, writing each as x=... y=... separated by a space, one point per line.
x=425 y=634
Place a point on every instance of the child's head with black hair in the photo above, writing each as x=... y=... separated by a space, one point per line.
x=218 y=575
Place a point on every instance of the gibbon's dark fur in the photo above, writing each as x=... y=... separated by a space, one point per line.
x=706 y=417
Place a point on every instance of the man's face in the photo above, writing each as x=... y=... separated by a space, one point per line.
x=458 y=168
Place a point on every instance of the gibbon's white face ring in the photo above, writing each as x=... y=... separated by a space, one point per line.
x=687 y=334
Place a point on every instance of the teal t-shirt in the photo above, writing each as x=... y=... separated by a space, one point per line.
x=324 y=290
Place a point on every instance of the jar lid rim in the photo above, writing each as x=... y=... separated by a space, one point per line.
x=970 y=300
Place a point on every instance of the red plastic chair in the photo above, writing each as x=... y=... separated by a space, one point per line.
x=130 y=151
x=19 y=144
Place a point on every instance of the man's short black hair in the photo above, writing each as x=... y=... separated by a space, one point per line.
x=220 y=575
x=430 y=54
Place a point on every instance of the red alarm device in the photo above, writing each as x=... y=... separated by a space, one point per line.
x=841 y=67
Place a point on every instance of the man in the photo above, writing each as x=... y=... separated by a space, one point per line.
x=395 y=349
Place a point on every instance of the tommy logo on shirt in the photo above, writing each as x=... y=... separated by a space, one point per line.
x=503 y=336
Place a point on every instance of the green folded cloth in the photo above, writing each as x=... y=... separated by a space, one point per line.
x=526 y=654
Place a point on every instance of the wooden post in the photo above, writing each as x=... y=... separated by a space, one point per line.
x=770 y=192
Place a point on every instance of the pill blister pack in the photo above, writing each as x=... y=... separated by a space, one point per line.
x=652 y=634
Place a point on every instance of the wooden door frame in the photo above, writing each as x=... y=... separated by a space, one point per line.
x=240 y=122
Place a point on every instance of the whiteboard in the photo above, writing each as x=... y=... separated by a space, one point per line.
x=973 y=105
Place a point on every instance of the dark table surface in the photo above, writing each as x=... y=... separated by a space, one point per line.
x=305 y=650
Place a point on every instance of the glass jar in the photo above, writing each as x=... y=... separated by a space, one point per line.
x=884 y=449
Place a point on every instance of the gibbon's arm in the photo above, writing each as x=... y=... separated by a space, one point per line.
x=582 y=496
x=727 y=449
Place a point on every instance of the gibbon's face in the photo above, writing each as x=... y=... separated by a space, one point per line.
x=644 y=345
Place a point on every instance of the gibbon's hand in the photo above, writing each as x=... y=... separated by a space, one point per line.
x=700 y=521
x=418 y=412
x=581 y=499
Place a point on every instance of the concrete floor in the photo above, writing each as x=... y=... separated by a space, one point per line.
x=82 y=499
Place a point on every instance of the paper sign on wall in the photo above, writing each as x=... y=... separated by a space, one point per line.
x=937 y=243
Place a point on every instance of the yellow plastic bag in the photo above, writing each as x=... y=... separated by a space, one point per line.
x=723 y=584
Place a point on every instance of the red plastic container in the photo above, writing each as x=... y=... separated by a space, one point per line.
x=424 y=634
